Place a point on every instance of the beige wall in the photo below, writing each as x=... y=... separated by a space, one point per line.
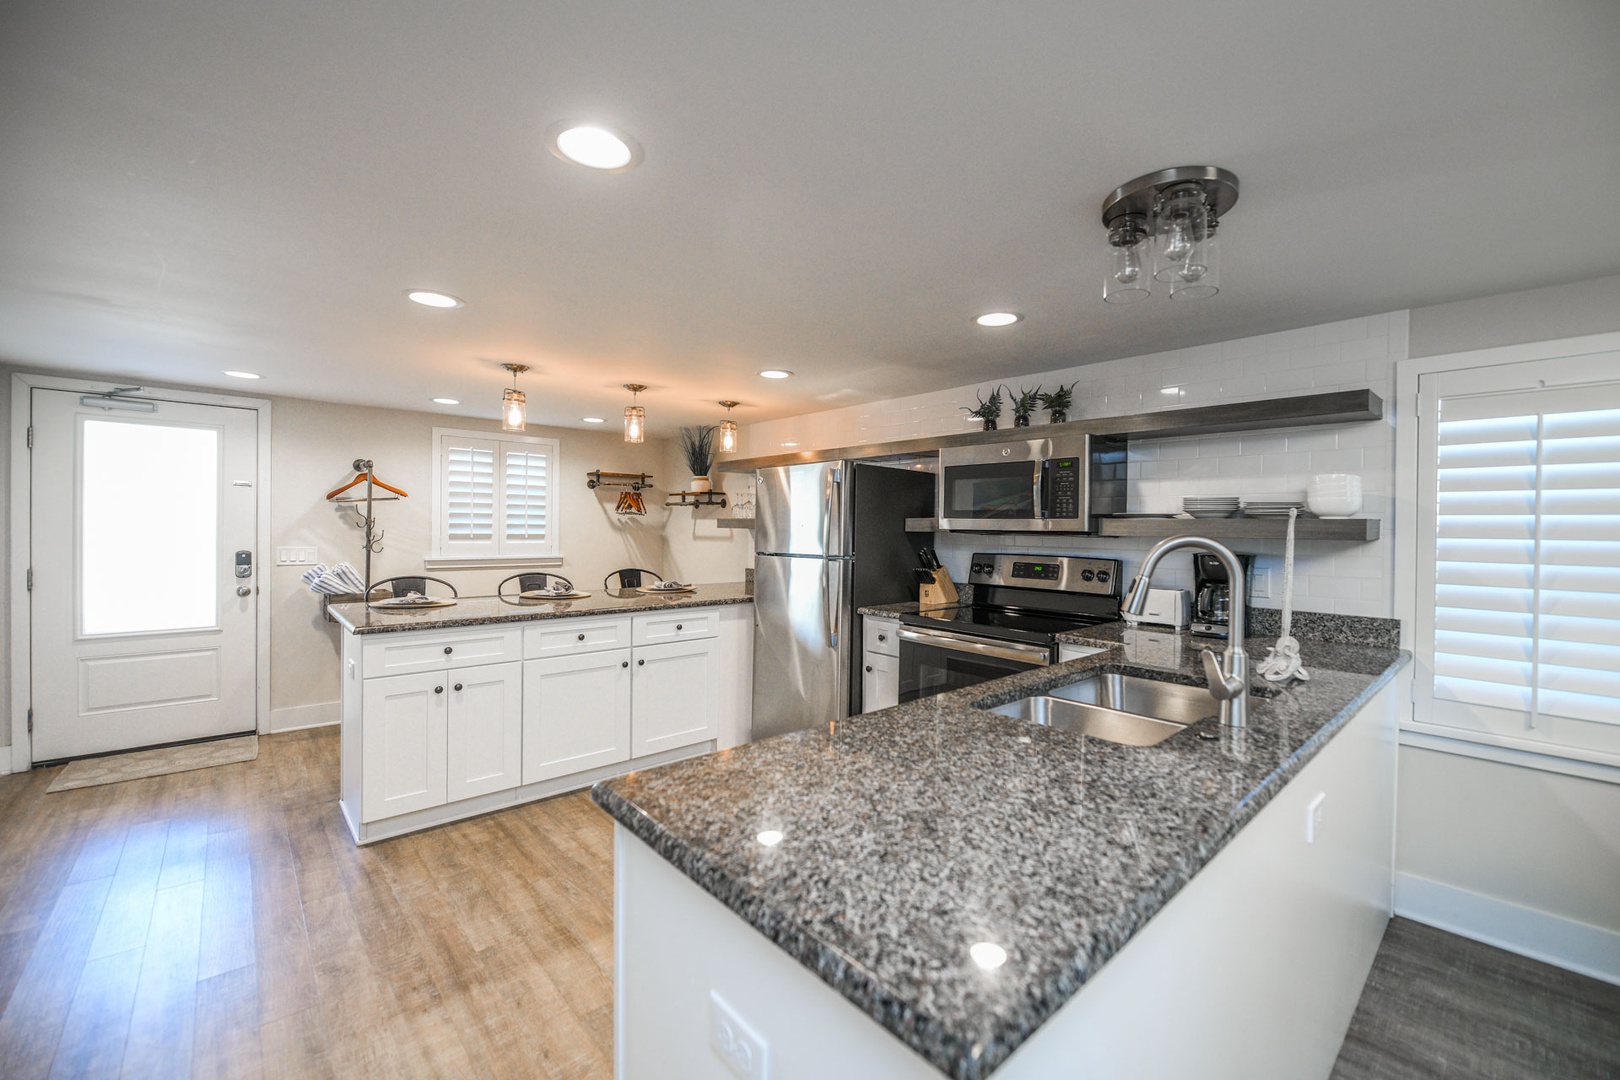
x=699 y=550
x=313 y=446
x=5 y=546
x=1561 y=311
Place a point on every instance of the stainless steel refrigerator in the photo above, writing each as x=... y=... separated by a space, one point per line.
x=829 y=539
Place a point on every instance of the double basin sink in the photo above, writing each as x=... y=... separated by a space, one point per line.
x=1119 y=708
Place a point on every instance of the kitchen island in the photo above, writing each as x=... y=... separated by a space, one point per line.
x=458 y=710
x=841 y=897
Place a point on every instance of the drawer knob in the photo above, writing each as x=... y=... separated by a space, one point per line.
x=582 y=637
x=448 y=650
x=883 y=637
x=641 y=663
x=678 y=626
x=438 y=689
x=625 y=663
x=458 y=686
x=868 y=667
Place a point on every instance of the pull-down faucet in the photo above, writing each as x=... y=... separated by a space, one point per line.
x=1228 y=677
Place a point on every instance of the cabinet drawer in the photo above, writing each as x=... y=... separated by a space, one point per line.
x=566 y=637
x=880 y=682
x=401 y=654
x=881 y=636
x=683 y=625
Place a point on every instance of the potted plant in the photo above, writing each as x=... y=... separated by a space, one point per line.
x=1024 y=403
x=697 y=444
x=1057 y=403
x=989 y=409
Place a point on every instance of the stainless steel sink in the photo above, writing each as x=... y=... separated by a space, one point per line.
x=1119 y=708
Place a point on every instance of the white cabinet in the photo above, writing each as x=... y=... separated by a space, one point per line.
x=673 y=699
x=576 y=713
x=439 y=736
x=880 y=663
x=400 y=654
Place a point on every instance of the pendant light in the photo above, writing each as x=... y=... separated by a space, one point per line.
x=635 y=417
x=728 y=429
x=514 y=406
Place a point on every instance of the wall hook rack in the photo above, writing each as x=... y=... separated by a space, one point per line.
x=367 y=519
x=634 y=481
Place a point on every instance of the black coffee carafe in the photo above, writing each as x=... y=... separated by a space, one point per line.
x=1212 y=594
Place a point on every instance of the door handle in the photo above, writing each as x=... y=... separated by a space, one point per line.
x=243 y=590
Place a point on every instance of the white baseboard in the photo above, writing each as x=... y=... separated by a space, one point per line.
x=5 y=760
x=1553 y=939
x=299 y=717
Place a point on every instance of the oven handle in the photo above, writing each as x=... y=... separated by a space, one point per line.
x=1031 y=654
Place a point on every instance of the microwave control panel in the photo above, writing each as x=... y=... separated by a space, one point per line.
x=1062 y=479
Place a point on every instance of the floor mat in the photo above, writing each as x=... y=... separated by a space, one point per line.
x=170 y=759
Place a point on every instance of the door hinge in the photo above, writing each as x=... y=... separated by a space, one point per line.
x=30 y=579
x=30 y=721
x=30 y=436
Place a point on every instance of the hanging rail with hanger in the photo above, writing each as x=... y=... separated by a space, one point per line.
x=634 y=481
x=367 y=475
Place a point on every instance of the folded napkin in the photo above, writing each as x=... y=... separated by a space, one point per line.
x=334 y=581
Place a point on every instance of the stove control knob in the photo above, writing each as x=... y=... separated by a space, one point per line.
x=1103 y=576
x=1088 y=575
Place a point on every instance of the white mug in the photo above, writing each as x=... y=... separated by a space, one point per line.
x=1334 y=495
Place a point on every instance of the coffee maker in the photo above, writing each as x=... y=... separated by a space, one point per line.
x=1212 y=593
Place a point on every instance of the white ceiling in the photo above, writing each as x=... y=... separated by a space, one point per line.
x=834 y=187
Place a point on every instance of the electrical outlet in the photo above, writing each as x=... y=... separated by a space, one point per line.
x=1261 y=589
x=745 y=1053
x=1315 y=816
x=295 y=556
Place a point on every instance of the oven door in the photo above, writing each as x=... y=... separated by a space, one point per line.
x=934 y=661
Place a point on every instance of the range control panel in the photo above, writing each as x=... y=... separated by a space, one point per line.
x=1061 y=573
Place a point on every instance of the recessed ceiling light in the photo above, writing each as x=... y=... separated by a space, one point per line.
x=446 y=401
x=428 y=298
x=998 y=318
x=593 y=419
x=593 y=145
x=775 y=373
x=241 y=375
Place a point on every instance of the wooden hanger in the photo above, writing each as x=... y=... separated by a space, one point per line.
x=362 y=478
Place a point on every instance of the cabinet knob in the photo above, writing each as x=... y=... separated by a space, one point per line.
x=625 y=663
x=582 y=637
x=883 y=637
x=641 y=663
x=868 y=667
x=458 y=686
x=438 y=689
x=678 y=626
x=448 y=650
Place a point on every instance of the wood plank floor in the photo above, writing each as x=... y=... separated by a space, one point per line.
x=221 y=923
x=1438 y=1005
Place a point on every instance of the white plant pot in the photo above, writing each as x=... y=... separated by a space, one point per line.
x=700 y=483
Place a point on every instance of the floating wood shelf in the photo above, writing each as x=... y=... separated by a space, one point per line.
x=734 y=523
x=1351 y=530
x=695 y=498
x=922 y=524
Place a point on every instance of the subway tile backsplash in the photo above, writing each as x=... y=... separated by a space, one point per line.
x=1338 y=578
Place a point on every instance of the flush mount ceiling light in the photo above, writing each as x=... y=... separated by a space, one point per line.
x=446 y=401
x=775 y=373
x=635 y=417
x=595 y=146
x=514 y=406
x=728 y=429
x=428 y=298
x=998 y=318
x=1162 y=228
x=241 y=374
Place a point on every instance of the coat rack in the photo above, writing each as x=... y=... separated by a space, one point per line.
x=368 y=519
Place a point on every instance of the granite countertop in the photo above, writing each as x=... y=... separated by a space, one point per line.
x=487 y=610
x=912 y=833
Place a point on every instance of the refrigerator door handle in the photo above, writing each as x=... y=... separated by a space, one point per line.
x=829 y=603
x=832 y=521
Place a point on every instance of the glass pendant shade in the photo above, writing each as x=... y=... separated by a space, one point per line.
x=1199 y=277
x=514 y=410
x=1128 y=279
x=728 y=436
x=1182 y=224
x=635 y=424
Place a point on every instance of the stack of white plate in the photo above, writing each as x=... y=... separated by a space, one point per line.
x=1272 y=507
x=1210 y=506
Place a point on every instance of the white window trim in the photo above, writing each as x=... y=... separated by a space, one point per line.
x=439 y=559
x=1405 y=512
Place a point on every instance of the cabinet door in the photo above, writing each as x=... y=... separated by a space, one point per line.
x=576 y=713
x=880 y=682
x=403 y=733
x=485 y=749
x=674 y=696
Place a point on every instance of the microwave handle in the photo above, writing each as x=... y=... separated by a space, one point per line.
x=1041 y=509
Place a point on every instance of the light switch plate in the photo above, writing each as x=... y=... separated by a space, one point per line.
x=295 y=556
x=1260 y=588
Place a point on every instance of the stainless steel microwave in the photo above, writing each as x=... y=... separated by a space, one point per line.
x=1058 y=484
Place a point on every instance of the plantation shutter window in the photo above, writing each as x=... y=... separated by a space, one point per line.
x=1521 y=534
x=495 y=498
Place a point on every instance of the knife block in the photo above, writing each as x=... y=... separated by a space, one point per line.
x=941 y=593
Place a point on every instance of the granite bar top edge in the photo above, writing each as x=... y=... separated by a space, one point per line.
x=358 y=619
x=973 y=1055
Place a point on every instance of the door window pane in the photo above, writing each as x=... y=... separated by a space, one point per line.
x=149 y=527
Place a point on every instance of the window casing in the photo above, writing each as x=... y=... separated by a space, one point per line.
x=495 y=497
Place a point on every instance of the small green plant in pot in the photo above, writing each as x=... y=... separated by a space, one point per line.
x=989 y=409
x=697 y=444
x=1023 y=404
x=1058 y=402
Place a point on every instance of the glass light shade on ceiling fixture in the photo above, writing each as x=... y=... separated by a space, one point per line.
x=728 y=429
x=1161 y=227
x=1129 y=279
x=635 y=417
x=514 y=405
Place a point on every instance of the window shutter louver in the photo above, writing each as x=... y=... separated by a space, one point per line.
x=496 y=499
x=526 y=491
x=470 y=493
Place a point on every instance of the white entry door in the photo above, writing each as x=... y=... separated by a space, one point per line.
x=142 y=631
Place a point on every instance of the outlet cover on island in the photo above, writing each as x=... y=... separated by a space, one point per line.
x=745 y=1053
x=295 y=556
